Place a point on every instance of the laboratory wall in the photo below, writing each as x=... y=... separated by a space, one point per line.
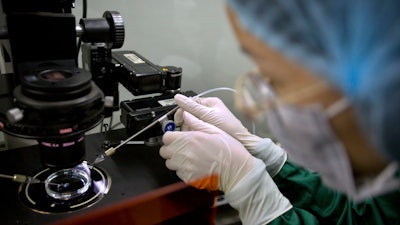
x=192 y=34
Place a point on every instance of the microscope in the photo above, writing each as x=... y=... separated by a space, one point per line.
x=47 y=97
x=52 y=100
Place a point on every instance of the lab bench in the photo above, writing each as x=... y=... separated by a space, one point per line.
x=142 y=191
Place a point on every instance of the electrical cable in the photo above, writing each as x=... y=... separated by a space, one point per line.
x=253 y=125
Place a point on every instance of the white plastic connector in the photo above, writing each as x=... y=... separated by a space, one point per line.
x=15 y=114
x=109 y=101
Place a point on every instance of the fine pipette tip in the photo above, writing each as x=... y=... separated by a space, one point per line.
x=19 y=178
x=99 y=159
x=103 y=156
x=33 y=180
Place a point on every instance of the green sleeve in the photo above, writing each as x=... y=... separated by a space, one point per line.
x=314 y=203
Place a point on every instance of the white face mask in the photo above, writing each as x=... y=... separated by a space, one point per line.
x=306 y=135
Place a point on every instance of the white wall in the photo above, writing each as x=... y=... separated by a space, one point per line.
x=193 y=34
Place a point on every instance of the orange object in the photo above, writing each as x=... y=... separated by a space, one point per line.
x=208 y=183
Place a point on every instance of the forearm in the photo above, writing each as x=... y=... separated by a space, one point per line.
x=257 y=198
x=309 y=195
x=271 y=154
x=302 y=186
x=295 y=216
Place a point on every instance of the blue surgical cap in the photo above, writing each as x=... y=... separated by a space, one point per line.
x=354 y=44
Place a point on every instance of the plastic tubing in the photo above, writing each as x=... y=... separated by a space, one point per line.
x=253 y=125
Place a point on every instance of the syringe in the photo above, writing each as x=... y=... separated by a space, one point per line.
x=112 y=150
x=19 y=178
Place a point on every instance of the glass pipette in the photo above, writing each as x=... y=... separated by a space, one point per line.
x=19 y=178
x=112 y=150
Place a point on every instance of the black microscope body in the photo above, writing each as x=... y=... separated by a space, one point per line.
x=47 y=97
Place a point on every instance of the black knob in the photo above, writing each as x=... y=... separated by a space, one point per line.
x=109 y=29
x=117 y=28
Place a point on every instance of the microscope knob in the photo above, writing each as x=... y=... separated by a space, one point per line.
x=109 y=101
x=116 y=23
x=168 y=125
x=14 y=115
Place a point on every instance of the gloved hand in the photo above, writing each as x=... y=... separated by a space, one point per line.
x=206 y=157
x=204 y=151
x=213 y=111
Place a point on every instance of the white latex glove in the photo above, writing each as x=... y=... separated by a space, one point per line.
x=205 y=156
x=257 y=198
x=205 y=150
x=213 y=111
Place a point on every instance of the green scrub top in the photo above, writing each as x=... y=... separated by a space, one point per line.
x=314 y=203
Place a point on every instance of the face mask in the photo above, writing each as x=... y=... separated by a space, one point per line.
x=306 y=135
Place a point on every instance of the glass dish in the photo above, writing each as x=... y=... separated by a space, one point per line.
x=67 y=184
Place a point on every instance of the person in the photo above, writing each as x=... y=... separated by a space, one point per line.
x=327 y=81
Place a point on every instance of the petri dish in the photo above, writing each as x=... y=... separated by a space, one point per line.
x=67 y=184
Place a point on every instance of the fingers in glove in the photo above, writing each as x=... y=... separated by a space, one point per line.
x=172 y=164
x=166 y=151
x=178 y=117
x=209 y=101
x=190 y=105
x=195 y=124
x=172 y=149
